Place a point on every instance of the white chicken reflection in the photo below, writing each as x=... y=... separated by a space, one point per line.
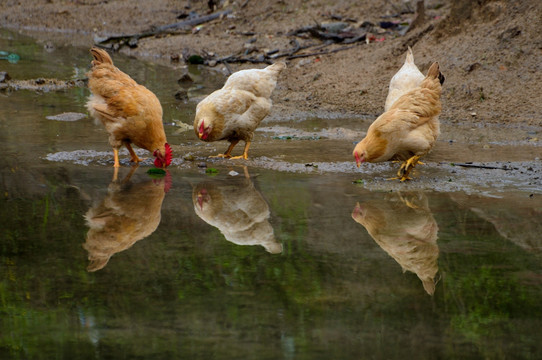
x=129 y=212
x=403 y=226
x=238 y=210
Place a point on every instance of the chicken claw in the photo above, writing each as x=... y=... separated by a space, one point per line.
x=224 y=156
x=227 y=154
x=407 y=167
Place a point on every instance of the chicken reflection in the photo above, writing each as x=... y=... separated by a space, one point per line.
x=238 y=210
x=404 y=227
x=128 y=213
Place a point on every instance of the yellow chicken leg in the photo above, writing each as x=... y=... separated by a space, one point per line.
x=134 y=157
x=407 y=167
x=116 y=157
x=245 y=152
x=227 y=154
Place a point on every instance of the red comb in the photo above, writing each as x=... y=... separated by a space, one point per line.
x=169 y=154
x=202 y=127
x=163 y=160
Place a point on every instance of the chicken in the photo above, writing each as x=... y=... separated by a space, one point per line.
x=130 y=212
x=404 y=227
x=407 y=78
x=235 y=111
x=129 y=111
x=238 y=210
x=408 y=130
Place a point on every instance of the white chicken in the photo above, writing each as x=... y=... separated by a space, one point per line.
x=238 y=210
x=407 y=78
x=235 y=111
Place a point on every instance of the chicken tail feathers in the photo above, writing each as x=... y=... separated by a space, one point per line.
x=277 y=67
x=409 y=56
x=100 y=57
x=434 y=73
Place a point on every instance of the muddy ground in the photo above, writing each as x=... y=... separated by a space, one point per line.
x=490 y=52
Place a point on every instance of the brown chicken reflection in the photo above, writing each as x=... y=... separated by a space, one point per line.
x=238 y=210
x=404 y=227
x=130 y=212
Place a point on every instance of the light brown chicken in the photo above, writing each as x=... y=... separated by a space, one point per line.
x=407 y=78
x=403 y=226
x=130 y=212
x=238 y=210
x=129 y=111
x=235 y=111
x=408 y=130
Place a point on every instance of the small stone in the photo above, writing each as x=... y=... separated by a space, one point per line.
x=202 y=165
x=473 y=114
x=185 y=78
x=189 y=157
x=233 y=173
x=211 y=63
x=4 y=76
x=181 y=94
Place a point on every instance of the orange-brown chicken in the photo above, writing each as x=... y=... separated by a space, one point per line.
x=130 y=212
x=235 y=111
x=408 y=130
x=403 y=226
x=129 y=111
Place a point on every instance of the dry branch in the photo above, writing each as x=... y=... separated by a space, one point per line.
x=131 y=40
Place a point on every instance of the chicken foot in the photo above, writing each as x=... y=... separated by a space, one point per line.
x=134 y=157
x=407 y=167
x=227 y=154
x=245 y=152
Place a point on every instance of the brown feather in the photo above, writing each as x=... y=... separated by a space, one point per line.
x=410 y=127
x=129 y=111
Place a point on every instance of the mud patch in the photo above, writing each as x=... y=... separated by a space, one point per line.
x=67 y=116
x=105 y=158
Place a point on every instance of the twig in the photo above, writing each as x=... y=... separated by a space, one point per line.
x=321 y=52
x=483 y=166
x=132 y=40
x=192 y=22
x=240 y=59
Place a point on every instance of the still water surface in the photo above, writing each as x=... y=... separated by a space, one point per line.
x=261 y=265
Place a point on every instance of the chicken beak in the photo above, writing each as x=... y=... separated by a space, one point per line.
x=359 y=159
x=200 y=135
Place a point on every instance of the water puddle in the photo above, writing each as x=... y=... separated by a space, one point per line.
x=282 y=256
